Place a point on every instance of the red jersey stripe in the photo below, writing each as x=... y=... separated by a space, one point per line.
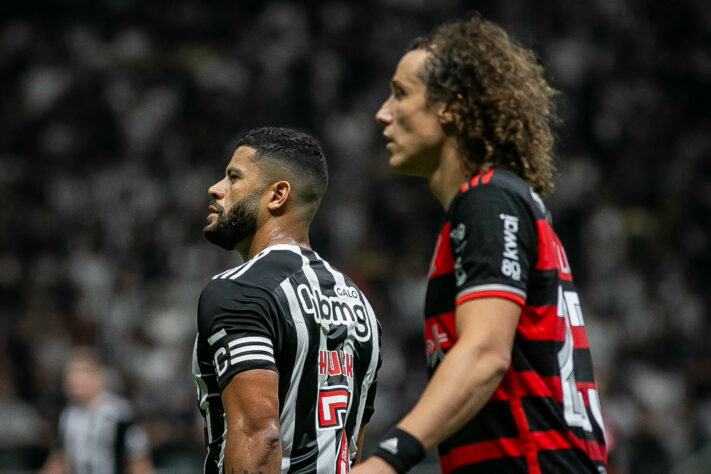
x=482 y=451
x=516 y=447
x=542 y=323
x=557 y=440
x=580 y=337
x=443 y=324
x=442 y=261
x=491 y=294
x=550 y=251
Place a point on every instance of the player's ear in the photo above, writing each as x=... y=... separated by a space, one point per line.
x=445 y=113
x=279 y=194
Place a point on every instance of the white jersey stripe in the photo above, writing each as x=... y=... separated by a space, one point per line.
x=325 y=439
x=492 y=287
x=244 y=358
x=348 y=347
x=227 y=272
x=287 y=419
x=216 y=337
x=245 y=340
x=243 y=349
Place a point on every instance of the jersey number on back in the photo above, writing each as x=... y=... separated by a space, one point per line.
x=573 y=405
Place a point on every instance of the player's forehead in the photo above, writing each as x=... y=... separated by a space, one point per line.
x=243 y=158
x=410 y=67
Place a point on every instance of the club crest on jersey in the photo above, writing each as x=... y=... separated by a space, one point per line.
x=339 y=310
x=435 y=343
x=510 y=265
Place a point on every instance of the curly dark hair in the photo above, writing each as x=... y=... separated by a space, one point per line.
x=502 y=105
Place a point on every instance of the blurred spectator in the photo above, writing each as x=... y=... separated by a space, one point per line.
x=97 y=431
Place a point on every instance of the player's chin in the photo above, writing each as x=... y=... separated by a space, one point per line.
x=401 y=165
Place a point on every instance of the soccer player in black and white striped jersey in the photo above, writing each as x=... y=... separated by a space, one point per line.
x=97 y=429
x=287 y=350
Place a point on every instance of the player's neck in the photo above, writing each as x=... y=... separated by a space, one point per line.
x=448 y=177
x=269 y=235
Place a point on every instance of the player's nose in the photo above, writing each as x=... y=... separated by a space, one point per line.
x=384 y=115
x=216 y=191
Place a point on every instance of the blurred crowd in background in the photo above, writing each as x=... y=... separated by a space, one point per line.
x=116 y=116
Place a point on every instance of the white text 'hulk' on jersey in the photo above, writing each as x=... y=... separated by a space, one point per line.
x=289 y=311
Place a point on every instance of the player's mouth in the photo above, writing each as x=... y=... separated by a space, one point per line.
x=214 y=211
x=389 y=142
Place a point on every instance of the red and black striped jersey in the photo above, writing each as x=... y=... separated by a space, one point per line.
x=545 y=417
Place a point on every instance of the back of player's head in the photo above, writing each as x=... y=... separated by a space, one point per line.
x=500 y=100
x=296 y=153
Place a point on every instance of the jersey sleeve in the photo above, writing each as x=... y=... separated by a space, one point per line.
x=493 y=241
x=239 y=324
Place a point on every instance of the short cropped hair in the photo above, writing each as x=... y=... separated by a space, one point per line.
x=297 y=152
x=502 y=104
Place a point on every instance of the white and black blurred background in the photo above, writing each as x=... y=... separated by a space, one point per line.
x=116 y=116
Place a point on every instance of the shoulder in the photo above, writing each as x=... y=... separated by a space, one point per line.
x=499 y=189
x=266 y=269
x=115 y=406
x=250 y=285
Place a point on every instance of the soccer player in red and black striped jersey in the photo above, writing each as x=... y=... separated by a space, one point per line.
x=511 y=387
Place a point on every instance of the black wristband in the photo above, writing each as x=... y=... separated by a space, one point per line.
x=400 y=449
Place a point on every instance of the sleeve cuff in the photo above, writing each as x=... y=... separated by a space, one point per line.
x=507 y=292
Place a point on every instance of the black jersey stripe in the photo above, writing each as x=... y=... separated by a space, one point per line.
x=507 y=465
x=297 y=354
x=567 y=460
x=534 y=406
x=542 y=357
x=543 y=288
x=440 y=296
x=494 y=421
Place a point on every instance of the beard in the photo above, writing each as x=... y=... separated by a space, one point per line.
x=238 y=223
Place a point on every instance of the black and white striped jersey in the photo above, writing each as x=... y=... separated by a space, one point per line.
x=101 y=437
x=289 y=311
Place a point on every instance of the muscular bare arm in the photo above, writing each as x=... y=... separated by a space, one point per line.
x=467 y=376
x=251 y=405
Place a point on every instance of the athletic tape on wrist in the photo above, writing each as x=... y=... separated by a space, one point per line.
x=401 y=450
